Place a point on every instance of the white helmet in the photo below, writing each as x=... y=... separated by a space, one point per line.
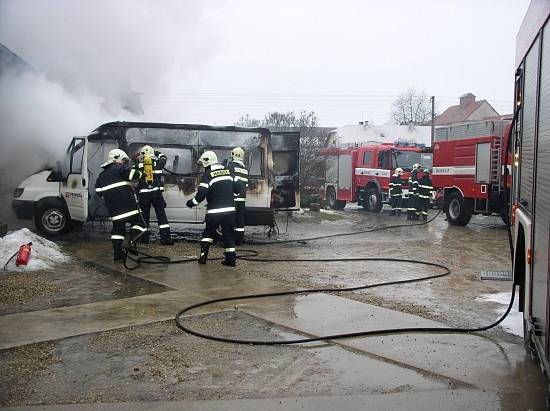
x=115 y=156
x=426 y=171
x=417 y=166
x=399 y=171
x=237 y=154
x=147 y=151
x=207 y=159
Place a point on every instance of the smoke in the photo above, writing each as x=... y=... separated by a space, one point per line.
x=88 y=63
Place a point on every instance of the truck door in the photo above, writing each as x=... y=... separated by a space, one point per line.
x=75 y=189
x=483 y=163
x=285 y=149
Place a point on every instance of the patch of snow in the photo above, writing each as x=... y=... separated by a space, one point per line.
x=44 y=253
x=513 y=323
x=327 y=211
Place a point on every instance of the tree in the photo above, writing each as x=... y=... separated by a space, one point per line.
x=312 y=139
x=411 y=107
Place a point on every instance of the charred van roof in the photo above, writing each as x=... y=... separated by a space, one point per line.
x=115 y=130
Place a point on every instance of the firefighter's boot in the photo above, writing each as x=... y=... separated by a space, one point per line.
x=425 y=217
x=118 y=253
x=392 y=212
x=203 y=254
x=230 y=259
x=398 y=213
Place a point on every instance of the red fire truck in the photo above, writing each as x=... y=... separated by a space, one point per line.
x=531 y=180
x=470 y=169
x=362 y=173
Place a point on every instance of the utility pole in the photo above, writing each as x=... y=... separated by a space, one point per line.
x=432 y=99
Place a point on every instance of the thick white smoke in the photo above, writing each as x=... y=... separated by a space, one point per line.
x=88 y=60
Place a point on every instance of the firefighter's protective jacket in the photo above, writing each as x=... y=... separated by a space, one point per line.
x=113 y=184
x=396 y=185
x=218 y=188
x=240 y=177
x=157 y=187
x=413 y=183
x=425 y=187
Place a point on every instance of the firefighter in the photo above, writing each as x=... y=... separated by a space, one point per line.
x=413 y=191
x=150 y=188
x=425 y=190
x=396 y=191
x=240 y=178
x=218 y=188
x=113 y=184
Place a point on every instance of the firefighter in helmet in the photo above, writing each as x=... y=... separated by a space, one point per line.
x=240 y=177
x=218 y=188
x=396 y=191
x=425 y=190
x=113 y=185
x=412 y=212
x=150 y=188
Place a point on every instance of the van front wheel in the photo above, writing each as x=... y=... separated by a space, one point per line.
x=52 y=218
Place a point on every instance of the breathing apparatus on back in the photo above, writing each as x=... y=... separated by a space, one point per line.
x=147 y=153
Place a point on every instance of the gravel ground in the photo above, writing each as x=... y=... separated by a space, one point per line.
x=160 y=362
x=69 y=284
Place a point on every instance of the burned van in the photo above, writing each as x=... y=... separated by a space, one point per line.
x=58 y=197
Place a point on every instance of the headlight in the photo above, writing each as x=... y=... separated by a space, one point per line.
x=18 y=191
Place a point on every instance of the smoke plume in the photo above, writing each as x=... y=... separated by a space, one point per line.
x=88 y=62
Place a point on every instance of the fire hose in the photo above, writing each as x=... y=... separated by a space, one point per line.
x=252 y=255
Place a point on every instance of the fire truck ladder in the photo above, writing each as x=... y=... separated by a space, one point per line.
x=496 y=183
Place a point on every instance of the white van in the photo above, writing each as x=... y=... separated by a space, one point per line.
x=62 y=196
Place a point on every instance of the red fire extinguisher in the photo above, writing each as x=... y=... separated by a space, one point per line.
x=23 y=254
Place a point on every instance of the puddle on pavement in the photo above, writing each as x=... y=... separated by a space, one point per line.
x=74 y=284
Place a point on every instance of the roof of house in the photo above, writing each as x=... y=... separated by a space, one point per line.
x=351 y=134
x=458 y=113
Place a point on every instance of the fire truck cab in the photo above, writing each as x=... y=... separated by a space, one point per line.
x=362 y=173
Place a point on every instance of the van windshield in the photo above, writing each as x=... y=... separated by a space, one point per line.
x=406 y=159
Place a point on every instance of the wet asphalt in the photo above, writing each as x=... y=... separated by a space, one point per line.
x=421 y=371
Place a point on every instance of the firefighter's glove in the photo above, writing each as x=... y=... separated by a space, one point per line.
x=190 y=203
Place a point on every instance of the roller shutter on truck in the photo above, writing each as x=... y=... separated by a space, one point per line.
x=542 y=191
x=528 y=126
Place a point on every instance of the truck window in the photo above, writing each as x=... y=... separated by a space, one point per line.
x=161 y=136
x=383 y=159
x=76 y=155
x=367 y=158
x=406 y=159
x=178 y=160
x=252 y=158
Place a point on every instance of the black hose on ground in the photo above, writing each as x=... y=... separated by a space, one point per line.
x=251 y=255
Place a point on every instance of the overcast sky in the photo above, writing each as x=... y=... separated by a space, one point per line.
x=212 y=61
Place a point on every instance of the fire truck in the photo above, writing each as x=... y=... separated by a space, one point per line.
x=470 y=169
x=361 y=173
x=531 y=179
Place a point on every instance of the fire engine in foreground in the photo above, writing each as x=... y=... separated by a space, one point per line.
x=531 y=179
x=470 y=169
x=361 y=173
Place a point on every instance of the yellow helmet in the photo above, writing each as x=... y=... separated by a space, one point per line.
x=147 y=151
x=237 y=154
x=207 y=159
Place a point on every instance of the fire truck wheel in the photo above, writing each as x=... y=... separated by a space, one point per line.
x=459 y=211
x=333 y=203
x=52 y=217
x=373 y=200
